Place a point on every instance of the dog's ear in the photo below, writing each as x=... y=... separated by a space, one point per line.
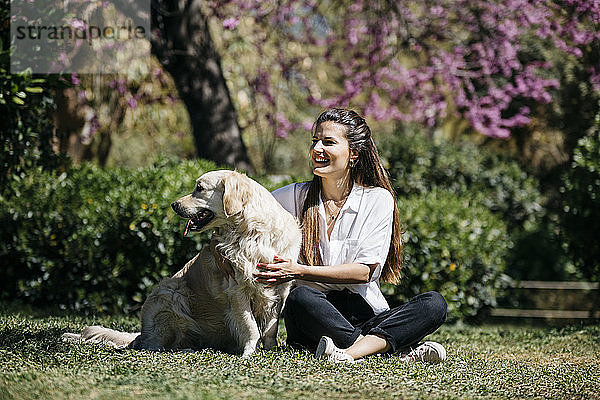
x=237 y=193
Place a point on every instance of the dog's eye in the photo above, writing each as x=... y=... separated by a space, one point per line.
x=198 y=188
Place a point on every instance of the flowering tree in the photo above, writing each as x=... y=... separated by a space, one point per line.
x=401 y=60
x=182 y=43
x=94 y=106
x=419 y=60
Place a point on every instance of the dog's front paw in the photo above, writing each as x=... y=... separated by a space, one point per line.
x=71 y=337
x=248 y=351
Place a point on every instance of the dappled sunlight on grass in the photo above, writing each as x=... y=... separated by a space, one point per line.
x=483 y=362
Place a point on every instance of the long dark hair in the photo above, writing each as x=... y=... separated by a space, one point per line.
x=366 y=171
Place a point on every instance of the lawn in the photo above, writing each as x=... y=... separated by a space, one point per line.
x=490 y=361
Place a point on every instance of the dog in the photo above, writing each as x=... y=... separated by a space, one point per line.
x=199 y=307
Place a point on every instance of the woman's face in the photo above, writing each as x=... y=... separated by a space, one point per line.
x=330 y=152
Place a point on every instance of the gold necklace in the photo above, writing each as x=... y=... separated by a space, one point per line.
x=333 y=215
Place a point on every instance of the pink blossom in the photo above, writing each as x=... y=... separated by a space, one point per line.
x=77 y=24
x=411 y=60
x=307 y=125
x=231 y=23
x=132 y=102
x=284 y=122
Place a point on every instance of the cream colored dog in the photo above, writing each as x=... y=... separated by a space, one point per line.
x=199 y=308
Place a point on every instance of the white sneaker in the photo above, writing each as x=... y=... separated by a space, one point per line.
x=430 y=352
x=326 y=349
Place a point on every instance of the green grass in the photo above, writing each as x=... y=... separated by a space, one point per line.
x=483 y=362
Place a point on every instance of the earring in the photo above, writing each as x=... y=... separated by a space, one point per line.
x=352 y=162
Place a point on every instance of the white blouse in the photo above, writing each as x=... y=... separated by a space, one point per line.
x=361 y=234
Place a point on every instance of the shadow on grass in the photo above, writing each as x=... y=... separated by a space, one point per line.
x=47 y=340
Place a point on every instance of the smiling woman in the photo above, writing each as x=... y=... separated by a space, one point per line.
x=350 y=240
x=330 y=152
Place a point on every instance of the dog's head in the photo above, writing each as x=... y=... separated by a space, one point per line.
x=218 y=195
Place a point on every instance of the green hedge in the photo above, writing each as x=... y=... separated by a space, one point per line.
x=453 y=245
x=580 y=201
x=442 y=185
x=26 y=128
x=26 y=107
x=99 y=239
x=417 y=165
x=94 y=239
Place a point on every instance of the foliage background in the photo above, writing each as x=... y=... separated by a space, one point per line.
x=478 y=211
x=99 y=239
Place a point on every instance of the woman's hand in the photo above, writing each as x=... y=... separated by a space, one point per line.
x=280 y=271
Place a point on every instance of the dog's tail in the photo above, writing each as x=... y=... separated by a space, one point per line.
x=100 y=334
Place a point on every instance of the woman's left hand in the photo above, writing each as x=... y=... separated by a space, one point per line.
x=280 y=271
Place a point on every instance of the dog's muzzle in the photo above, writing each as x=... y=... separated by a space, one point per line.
x=197 y=221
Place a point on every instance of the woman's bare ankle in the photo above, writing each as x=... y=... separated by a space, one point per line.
x=367 y=345
x=359 y=338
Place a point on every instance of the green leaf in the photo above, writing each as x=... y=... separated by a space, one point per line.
x=17 y=100
x=35 y=89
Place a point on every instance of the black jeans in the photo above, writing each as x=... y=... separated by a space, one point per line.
x=343 y=316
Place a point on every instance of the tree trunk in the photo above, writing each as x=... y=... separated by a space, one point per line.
x=186 y=50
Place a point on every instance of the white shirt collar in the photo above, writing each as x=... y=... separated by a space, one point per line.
x=354 y=198
x=352 y=203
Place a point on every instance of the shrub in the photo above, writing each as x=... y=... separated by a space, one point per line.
x=453 y=245
x=99 y=239
x=26 y=125
x=486 y=181
x=538 y=253
x=417 y=165
x=580 y=198
x=94 y=239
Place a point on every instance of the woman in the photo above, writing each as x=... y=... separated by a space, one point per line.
x=350 y=239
